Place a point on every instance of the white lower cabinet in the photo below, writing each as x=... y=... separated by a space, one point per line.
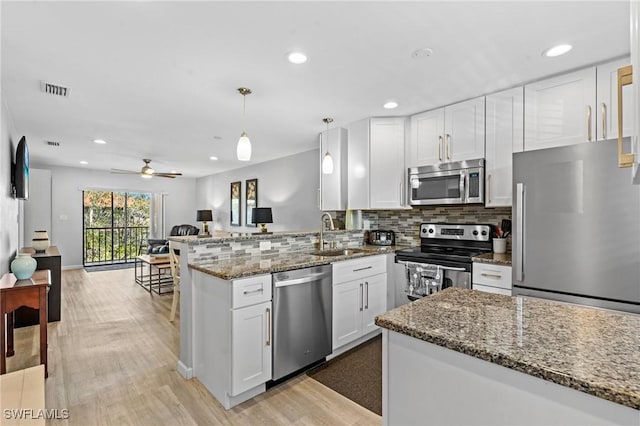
x=359 y=294
x=250 y=347
x=232 y=329
x=492 y=278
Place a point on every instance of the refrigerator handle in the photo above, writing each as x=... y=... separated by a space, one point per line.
x=520 y=231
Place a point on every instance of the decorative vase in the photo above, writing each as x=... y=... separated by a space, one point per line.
x=40 y=241
x=23 y=266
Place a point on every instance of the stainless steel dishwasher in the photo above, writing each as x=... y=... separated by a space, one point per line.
x=302 y=309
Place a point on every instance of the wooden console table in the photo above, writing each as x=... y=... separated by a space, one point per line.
x=50 y=260
x=15 y=293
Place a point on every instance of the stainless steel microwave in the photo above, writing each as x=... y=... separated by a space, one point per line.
x=460 y=182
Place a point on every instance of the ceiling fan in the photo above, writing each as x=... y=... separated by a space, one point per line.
x=146 y=171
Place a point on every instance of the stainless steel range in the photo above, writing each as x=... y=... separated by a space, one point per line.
x=444 y=258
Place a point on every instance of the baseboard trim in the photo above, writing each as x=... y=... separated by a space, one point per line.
x=67 y=267
x=184 y=371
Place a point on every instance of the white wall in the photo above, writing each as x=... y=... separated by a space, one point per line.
x=67 y=184
x=9 y=206
x=288 y=185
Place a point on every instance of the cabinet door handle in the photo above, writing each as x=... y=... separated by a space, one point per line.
x=448 y=146
x=401 y=196
x=603 y=111
x=484 y=274
x=366 y=287
x=268 y=326
x=361 y=296
x=589 y=123
x=363 y=269
x=625 y=159
x=489 y=187
x=440 y=148
x=247 y=292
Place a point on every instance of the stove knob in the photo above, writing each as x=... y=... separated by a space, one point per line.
x=424 y=230
x=431 y=231
x=484 y=233
x=475 y=232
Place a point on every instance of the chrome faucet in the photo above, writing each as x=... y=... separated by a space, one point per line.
x=331 y=227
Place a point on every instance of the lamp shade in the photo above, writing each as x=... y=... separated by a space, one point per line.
x=204 y=216
x=243 y=149
x=262 y=215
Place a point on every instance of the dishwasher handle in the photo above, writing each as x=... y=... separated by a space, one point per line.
x=303 y=280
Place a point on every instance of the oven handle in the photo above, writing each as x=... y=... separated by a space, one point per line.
x=448 y=268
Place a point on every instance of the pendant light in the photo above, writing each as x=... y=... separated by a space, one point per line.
x=243 y=150
x=327 y=161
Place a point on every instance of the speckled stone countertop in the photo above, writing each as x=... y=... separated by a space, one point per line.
x=592 y=350
x=245 y=266
x=494 y=258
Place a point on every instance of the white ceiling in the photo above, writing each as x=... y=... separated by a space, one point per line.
x=159 y=79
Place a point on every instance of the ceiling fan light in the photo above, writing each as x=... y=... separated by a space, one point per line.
x=243 y=150
x=146 y=175
x=327 y=164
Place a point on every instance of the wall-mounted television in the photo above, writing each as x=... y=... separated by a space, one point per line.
x=20 y=176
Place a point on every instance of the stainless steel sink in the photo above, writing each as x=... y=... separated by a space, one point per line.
x=341 y=252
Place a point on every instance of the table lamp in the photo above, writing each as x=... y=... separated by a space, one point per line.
x=204 y=216
x=262 y=215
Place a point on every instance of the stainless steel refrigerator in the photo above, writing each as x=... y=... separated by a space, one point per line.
x=576 y=227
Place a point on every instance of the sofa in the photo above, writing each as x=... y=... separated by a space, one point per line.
x=161 y=246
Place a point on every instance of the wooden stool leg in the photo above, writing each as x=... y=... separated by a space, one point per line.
x=10 y=351
x=43 y=330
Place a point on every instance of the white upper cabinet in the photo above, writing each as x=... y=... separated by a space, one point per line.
x=452 y=133
x=376 y=164
x=464 y=130
x=607 y=102
x=505 y=136
x=387 y=175
x=333 y=187
x=560 y=110
x=427 y=138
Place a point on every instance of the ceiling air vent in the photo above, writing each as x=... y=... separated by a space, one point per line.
x=53 y=143
x=54 y=89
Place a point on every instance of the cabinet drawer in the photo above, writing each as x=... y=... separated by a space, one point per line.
x=492 y=275
x=356 y=269
x=489 y=289
x=252 y=290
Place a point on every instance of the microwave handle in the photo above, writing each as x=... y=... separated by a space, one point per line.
x=464 y=186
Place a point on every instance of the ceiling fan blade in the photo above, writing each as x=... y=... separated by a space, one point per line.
x=168 y=175
x=126 y=172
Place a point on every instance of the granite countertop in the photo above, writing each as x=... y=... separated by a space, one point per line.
x=592 y=350
x=245 y=266
x=494 y=258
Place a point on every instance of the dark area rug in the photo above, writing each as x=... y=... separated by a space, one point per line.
x=356 y=374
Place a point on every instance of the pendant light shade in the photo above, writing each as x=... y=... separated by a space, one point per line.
x=327 y=161
x=327 y=164
x=243 y=150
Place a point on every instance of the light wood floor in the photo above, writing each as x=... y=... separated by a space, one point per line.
x=112 y=361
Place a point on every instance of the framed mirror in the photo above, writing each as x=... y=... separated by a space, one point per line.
x=235 y=203
x=251 y=200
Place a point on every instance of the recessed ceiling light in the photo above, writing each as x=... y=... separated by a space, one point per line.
x=213 y=157
x=217 y=137
x=84 y=162
x=297 y=58
x=390 y=105
x=423 y=52
x=558 y=50
x=100 y=141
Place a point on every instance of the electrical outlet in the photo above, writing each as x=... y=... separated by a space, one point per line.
x=265 y=245
x=64 y=217
x=366 y=224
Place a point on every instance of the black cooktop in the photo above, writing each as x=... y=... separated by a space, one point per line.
x=458 y=254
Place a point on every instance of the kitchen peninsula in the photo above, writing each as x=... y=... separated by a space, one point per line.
x=229 y=310
x=467 y=357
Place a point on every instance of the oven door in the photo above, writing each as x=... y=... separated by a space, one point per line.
x=423 y=279
x=441 y=187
